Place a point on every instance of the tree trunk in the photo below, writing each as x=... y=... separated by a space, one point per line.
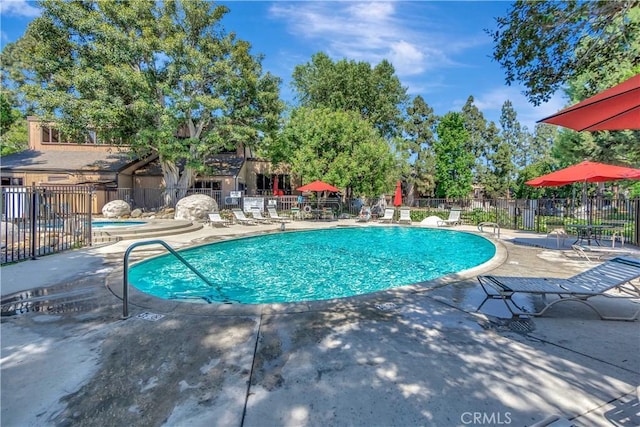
x=176 y=183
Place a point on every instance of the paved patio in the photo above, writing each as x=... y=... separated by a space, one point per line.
x=418 y=355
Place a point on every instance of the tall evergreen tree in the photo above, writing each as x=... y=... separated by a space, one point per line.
x=417 y=145
x=498 y=175
x=454 y=159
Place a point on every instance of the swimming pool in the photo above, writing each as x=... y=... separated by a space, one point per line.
x=105 y=224
x=311 y=265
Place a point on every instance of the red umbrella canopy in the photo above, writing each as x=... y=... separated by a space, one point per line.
x=585 y=172
x=397 y=198
x=617 y=108
x=318 y=186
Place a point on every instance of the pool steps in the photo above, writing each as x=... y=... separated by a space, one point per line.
x=154 y=228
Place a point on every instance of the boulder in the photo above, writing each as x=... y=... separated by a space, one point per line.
x=116 y=209
x=431 y=221
x=195 y=208
x=136 y=213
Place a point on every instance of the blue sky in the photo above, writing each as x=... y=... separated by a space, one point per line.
x=438 y=48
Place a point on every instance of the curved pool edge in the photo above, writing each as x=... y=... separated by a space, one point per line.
x=149 y=302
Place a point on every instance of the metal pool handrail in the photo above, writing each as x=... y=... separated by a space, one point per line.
x=125 y=276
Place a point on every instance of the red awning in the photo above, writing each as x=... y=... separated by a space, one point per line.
x=617 y=108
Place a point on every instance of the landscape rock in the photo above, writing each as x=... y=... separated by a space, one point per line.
x=195 y=208
x=116 y=209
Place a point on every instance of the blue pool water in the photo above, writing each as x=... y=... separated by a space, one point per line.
x=104 y=224
x=311 y=265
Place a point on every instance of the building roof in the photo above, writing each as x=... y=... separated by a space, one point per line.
x=224 y=165
x=66 y=161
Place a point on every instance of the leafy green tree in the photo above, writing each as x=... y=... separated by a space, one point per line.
x=375 y=93
x=533 y=170
x=416 y=146
x=454 y=159
x=513 y=134
x=338 y=147
x=160 y=77
x=476 y=125
x=545 y=44
x=497 y=177
x=14 y=134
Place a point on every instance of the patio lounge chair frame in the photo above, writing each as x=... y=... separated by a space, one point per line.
x=616 y=273
x=600 y=253
x=454 y=218
x=405 y=216
x=257 y=215
x=216 y=219
x=241 y=218
x=388 y=215
x=273 y=215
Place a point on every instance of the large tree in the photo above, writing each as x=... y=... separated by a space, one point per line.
x=545 y=44
x=375 y=93
x=497 y=176
x=13 y=128
x=338 y=147
x=416 y=146
x=158 y=77
x=454 y=158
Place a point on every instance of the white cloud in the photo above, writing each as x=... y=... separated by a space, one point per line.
x=490 y=103
x=22 y=8
x=370 y=32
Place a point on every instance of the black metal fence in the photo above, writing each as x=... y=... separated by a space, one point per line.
x=41 y=220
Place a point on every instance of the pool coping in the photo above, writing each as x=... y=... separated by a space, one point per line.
x=148 y=302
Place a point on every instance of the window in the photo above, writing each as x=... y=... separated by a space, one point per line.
x=50 y=135
x=7 y=181
x=210 y=185
x=264 y=183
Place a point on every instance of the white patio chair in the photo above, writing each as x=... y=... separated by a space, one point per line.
x=216 y=219
x=273 y=215
x=388 y=215
x=405 y=216
x=616 y=273
x=454 y=219
x=241 y=218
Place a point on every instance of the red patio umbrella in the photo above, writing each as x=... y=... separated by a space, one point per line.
x=276 y=192
x=397 y=198
x=617 y=108
x=318 y=186
x=585 y=172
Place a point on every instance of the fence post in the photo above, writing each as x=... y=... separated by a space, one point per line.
x=32 y=220
x=636 y=215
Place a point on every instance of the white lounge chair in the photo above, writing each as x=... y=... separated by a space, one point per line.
x=388 y=215
x=216 y=219
x=257 y=215
x=590 y=252
x=405 y=216
x=616 y=273
x=241 y=218
x=454 y=219
x=273 y=215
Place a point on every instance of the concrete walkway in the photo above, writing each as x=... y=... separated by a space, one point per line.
x=418 y=355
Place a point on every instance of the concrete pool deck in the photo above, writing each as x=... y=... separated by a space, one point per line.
x=416 y=355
